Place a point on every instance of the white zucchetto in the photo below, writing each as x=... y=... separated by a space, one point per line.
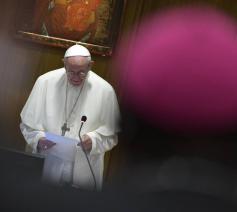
x=77 y=50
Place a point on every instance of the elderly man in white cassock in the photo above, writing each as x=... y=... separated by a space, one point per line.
x=56 y=104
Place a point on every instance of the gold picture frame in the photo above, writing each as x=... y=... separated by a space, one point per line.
x=62 y=23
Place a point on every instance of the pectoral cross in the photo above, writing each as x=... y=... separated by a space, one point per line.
x=64 y=128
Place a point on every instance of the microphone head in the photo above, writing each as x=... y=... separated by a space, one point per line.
x=83 y=118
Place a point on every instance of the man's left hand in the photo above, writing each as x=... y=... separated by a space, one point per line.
x=87 y=142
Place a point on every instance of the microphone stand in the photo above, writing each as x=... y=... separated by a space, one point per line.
x=83 y=119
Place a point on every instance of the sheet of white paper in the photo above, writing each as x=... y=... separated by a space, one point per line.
x=59 y=159
x=64 y=147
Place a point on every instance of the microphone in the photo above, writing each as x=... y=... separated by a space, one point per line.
x=83 y=120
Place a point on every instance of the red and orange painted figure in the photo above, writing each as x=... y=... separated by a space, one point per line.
x=72 y=19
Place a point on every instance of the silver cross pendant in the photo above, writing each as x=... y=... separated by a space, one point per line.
x=64 y=128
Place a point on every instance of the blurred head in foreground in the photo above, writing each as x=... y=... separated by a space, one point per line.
x=178 y=77
x=180 y=71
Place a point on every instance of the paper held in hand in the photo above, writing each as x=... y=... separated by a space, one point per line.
x=59 y=159
x=64 y=148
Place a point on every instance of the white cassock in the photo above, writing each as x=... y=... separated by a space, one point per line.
x=44 y=111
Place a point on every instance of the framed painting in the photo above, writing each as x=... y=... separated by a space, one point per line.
x=62 y=23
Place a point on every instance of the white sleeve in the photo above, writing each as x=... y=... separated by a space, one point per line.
x=100 y=143
x=31 y=136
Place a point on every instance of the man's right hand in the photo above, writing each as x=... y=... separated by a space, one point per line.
x=44 y=144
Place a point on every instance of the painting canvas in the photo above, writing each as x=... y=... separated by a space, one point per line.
x=93 y=23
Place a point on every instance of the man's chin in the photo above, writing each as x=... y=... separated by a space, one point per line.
x=75 y=83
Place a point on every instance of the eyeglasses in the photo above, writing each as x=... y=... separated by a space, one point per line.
x=81 y=74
